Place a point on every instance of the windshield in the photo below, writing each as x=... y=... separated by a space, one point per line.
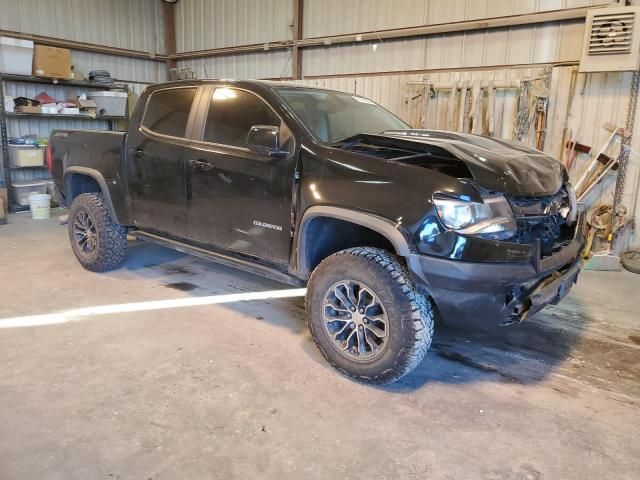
x=333 y=116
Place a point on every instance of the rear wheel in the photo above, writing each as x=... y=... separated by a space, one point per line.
x=366 y=317
x=97 y=241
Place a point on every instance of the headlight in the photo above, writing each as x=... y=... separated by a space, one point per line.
x=491 y=219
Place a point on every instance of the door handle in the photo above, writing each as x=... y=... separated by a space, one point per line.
x=201 y=165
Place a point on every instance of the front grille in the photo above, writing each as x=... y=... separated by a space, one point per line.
x=543 y=219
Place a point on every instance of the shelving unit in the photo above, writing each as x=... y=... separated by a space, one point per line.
x=7 y=117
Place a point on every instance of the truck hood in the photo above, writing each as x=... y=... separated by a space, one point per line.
x=495 y=164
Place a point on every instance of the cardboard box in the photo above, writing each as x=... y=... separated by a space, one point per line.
x=26 y=109
x=51 y=62
x=86 y=105
x=3 y=214
x=4 y=195
x=4 y=202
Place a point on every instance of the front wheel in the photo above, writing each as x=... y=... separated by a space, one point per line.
x=98 y=242
x=366 y=317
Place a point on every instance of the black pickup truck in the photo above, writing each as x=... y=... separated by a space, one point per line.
x=390 y=228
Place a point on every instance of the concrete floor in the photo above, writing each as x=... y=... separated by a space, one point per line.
x=238 y=390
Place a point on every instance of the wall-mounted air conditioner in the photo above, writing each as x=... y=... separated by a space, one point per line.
x=611 y=40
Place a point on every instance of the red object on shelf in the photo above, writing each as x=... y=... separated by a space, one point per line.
x=43 y=97
x=47 y=156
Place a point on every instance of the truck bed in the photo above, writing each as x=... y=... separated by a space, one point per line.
x=95 y=149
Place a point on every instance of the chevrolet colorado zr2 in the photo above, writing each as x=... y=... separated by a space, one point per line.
x=389 y=228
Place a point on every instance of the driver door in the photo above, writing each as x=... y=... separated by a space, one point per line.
x=238 y=199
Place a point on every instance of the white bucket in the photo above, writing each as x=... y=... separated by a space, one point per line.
x=40 y=205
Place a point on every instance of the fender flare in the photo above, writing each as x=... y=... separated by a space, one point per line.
x=384 y=227
x=98 y=177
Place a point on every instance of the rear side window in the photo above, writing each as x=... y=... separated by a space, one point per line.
x=168 y=111
x=232 y=113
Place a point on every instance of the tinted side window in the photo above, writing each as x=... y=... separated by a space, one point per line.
x=232 y=113
x=168 y=110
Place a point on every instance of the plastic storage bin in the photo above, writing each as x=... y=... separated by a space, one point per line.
x=26 y=156
x=23 y=188
x=110 y=103
x=16 y=56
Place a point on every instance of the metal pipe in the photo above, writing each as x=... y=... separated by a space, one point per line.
x=83 y=46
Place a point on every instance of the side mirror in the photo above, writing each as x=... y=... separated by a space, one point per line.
x=265 y=140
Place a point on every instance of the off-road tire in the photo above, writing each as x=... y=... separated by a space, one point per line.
x=410 y=314
x=111 y=244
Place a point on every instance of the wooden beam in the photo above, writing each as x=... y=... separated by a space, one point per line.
x=169 y=15
x=296 y=54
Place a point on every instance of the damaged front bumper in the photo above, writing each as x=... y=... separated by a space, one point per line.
x=472 y=294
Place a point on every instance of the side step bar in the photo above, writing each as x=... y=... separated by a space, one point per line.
x=218 y=257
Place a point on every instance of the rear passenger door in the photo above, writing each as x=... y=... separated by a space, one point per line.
x=238 y=199
x=155 y=160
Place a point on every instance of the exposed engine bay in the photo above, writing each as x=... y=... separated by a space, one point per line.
x=543 y=218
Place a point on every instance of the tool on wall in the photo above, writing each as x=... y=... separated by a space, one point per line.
x=451 y=107
x=566 y=131
x=542 y=102
x=491 y=90
x=465 y=108
x=420 y=94
x=574 y=147
x=475 y=114
x=522 y=122
x=607 y=259
x=586 y=179
x=541 y=95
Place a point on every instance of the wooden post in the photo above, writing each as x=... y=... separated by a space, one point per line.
x=296 y=55
x=169 y=13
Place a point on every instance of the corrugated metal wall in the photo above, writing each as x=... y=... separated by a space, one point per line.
x=600 y=98
x=134 y=25
x=334 y=17
x=204 y=24
x=548 y=43
x=123 y=68
x=272 y=64
x=400 y=95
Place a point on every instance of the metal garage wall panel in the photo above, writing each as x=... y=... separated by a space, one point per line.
x=334 y=17
x=551 y=42
x=600 y=98
x=122 y=68
x=392 y=92
x=135 y=25
x=204 y=24
x=272 y=64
